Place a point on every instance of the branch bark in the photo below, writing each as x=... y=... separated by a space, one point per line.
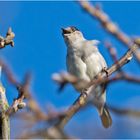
x=4 y=119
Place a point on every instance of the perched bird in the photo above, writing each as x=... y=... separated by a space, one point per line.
x=85 y=62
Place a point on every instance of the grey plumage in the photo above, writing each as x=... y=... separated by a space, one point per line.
x=85 y=61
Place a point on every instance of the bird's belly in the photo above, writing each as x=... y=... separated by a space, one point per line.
x=97 y=96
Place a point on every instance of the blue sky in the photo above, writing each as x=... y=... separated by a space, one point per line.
x=39 y=48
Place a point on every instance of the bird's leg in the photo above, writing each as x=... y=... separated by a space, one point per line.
x=85 y=94
x=84 y=91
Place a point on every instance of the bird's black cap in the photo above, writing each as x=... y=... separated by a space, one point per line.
x=69 y=30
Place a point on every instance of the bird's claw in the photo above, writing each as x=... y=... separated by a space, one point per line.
x=84 y=91
x=105 y=70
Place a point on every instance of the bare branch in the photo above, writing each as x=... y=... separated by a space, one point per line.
x=18 y=102
x=9 y=74
x=108 y=25
x=64 y=78
x=50 y=133
x=125 y=77
x=112 y=51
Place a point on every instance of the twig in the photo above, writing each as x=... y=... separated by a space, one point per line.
x=18 y=102
x=128 y=112
x=9 y=74
x=50 y=133
x=125 y=77
x=112 y=51
x=64 y=78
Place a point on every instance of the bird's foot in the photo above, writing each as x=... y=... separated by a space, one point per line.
x=84 y=91
x=83 y=96
x=105 y=70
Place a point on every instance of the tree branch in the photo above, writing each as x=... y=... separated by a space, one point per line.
x=108 y=25
x=4 y=119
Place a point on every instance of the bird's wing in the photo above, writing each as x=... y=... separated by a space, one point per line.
x=91 y=56
x=95 y=63
x=94 y=42
x=91 y=42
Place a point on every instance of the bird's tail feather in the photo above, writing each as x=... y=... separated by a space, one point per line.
x=105 y=117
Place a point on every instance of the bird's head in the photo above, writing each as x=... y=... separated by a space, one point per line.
x=71 y=35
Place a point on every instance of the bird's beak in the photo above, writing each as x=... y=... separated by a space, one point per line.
x=65 y=31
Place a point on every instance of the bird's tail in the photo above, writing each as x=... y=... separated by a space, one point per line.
x=105 y=117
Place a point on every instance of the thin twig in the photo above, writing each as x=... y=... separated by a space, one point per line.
x=112 y=51
x=124 y=77
x=18 y=102
x=128 y=112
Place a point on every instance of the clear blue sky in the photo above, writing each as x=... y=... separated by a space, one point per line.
x=39 y=47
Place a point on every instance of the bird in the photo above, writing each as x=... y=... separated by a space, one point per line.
x=84 y=61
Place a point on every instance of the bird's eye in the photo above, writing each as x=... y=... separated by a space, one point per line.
x=74 y=29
